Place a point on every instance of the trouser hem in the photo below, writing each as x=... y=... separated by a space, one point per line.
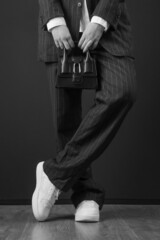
x=88 y=196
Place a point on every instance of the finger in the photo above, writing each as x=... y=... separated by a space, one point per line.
x=57 y=44
x=66 y=45
x=94 y=45
x=84 y=43
x=61 y=44
x=87 y=46
x=71 y=43
x=82 y=39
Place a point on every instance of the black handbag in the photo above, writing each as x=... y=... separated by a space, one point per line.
x=76 y=70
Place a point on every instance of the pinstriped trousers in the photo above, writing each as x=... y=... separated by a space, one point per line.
x=82 y=141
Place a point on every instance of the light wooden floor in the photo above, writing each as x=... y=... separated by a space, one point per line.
x=118 y=222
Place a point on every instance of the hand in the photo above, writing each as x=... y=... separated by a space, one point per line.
x=91 y=36
x=62 y=37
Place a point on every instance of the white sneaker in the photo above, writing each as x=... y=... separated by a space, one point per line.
x=44 y=196
x=87 y=211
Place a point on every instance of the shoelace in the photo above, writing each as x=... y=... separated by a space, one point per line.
x=57 y=193
x=51 y=197
x=51 y=194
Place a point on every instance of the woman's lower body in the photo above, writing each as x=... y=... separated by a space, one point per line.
x=82 y=141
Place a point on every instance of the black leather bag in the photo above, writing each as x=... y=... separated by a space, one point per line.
x=76 y=70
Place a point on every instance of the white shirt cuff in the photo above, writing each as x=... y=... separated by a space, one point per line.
x=54 y=22
x=101 y=21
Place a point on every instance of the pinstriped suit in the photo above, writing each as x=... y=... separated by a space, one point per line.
x=117 y=40
x=81 y=141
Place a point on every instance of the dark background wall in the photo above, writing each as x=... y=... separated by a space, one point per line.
x=129 y=168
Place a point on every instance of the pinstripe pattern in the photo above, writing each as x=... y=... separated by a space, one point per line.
x=117 y=40
x=80 y=142
x=67 y=115
x=113 y=99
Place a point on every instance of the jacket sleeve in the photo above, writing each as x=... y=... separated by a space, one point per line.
x=108 y=10
x=49 y=9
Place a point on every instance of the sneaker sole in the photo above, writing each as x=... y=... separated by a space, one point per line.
x=81 y=218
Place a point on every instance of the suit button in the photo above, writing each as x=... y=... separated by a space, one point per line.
x=79 y=4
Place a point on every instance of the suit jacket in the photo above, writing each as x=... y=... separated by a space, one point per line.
x=117 y=40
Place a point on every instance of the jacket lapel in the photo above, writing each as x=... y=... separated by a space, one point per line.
x=88 y=2
x=91 y=4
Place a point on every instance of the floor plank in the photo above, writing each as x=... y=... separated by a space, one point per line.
x=118 y=222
